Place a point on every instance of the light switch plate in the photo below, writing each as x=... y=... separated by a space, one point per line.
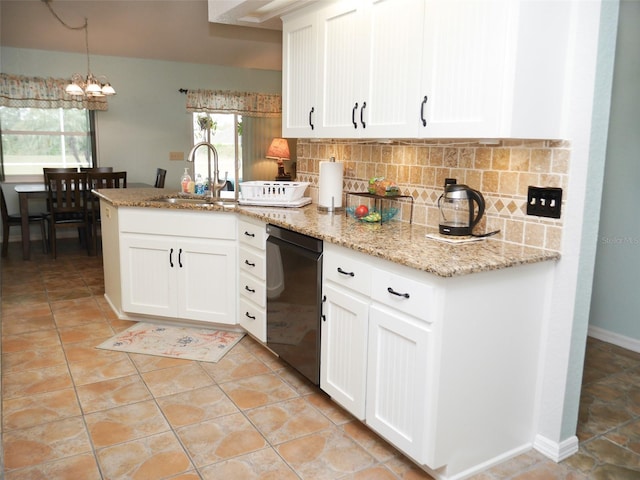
x=544 y=201
x=178 y=156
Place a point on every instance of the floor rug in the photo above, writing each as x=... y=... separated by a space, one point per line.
x=189 y=343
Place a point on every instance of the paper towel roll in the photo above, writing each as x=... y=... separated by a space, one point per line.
x=330 y=186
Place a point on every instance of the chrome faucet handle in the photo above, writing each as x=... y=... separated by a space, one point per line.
x=219 y=184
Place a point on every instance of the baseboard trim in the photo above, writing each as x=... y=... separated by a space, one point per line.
x=614 y=338
x=554 y=450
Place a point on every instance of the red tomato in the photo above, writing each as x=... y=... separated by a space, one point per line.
x=361 y=211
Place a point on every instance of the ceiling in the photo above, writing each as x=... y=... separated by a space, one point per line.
x=174 y=30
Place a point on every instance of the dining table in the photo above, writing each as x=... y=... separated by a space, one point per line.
x=32 y=191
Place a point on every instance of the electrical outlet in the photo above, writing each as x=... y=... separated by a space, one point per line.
x=179 y=156
x=544 y=201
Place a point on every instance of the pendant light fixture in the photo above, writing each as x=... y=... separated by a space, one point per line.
x=91 y=85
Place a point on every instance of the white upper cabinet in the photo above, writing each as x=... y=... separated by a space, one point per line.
x=426 y=69
x=369 y=67
x=299 y=105
x=493 y=68
x=464 y=67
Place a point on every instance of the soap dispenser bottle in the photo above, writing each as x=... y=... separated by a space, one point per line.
x=185 y=180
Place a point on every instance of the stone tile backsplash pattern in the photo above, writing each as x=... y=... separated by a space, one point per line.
x=502 y=172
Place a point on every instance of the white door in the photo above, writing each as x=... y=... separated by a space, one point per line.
x=299 y=104
x=465 y=65
x=342 y=69
x=206 y=271
x=148 y=264
x=398 y=379
x=394 y=57
x=343 y=351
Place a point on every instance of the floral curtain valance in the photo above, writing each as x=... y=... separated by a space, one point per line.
x=36 y=92
x=243 y=103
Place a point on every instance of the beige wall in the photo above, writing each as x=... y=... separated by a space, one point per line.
x=501 y=172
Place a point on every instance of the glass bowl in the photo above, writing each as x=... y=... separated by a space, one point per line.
x=374 y=216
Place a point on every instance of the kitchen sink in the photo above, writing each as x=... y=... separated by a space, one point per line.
x=198 y=202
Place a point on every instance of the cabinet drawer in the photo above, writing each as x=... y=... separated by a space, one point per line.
x=253 y=262
x=182 y=223
x=343 y=267
x=403 y=294
x=253 y=319
x=252 y=233
x=253 y=289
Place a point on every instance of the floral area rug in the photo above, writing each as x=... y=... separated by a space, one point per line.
x=201 y=344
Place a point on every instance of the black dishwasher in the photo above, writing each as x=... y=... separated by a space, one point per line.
x=294 y=295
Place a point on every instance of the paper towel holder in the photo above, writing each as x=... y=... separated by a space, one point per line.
x=332 y=208
x=279 y=150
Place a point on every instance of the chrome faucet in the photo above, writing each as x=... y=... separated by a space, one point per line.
x=215 y=184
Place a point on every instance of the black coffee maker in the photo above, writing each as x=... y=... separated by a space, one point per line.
x=461 y=208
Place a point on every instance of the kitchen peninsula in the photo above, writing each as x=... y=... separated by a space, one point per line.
x=398 y=242
x=444 y=365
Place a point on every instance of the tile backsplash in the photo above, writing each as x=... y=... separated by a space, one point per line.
x=501 y=171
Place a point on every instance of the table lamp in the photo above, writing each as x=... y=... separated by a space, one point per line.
x=279 y=150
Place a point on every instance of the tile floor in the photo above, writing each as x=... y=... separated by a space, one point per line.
x=70 y=411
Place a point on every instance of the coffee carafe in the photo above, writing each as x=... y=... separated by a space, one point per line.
x=458 y=212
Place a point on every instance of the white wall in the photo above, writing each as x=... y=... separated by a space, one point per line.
x=615 y=301
x=147 y=118
x=590 y=67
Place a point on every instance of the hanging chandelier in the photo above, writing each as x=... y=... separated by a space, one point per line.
x=91 y=85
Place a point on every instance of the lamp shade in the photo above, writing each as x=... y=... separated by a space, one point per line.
x=279 y=149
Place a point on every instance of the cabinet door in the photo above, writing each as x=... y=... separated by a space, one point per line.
x=299 y=105
x=147 y=265
x=370 y=57
x=465 y=68
x=342 y=68
x=393 y=75
x=398 y=401
x=343 y=352
x=206 y=272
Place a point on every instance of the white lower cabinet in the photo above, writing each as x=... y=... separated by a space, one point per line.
x=398 y=375
x=445 y=369
x=375 y=350
x=252 y=287
x=172 y=277
x=178 y=264
x=343 y=354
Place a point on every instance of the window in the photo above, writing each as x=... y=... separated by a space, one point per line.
x=226 y=137
x=33 y=138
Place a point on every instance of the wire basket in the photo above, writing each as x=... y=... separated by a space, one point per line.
x=280 y=191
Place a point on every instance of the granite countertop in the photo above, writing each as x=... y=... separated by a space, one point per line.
x=395 y=241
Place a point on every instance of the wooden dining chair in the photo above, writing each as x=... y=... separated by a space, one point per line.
x=161 y=173
x=67 y=201
x=12 y=220
x=96 y=169
x=96 y=181
x=46 y=170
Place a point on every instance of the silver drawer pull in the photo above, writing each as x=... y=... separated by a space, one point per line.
x=252 y=290
x=393 y=292
x=351 y=274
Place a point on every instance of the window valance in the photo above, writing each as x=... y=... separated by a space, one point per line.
x=243 y=103
x=35 y=92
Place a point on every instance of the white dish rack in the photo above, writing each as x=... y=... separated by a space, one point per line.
x=286 y=194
